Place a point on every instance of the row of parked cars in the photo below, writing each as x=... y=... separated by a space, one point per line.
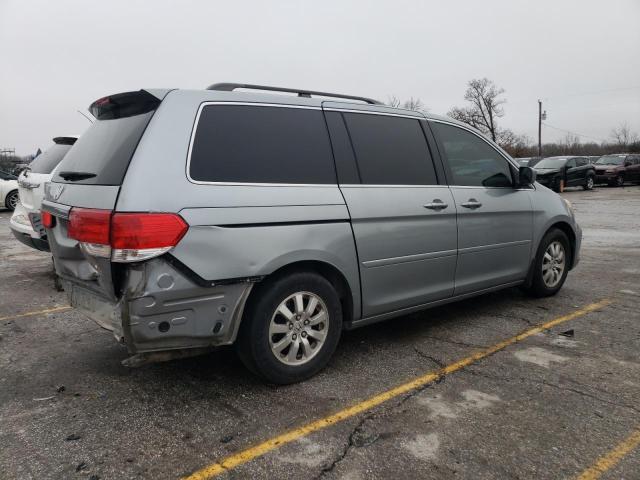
x=185 y=220
x=580 y=171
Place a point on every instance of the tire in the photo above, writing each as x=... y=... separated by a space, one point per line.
x=11 y=200
x=617 y=182
x=541 y=286
x=264 y=327
x=589 y=183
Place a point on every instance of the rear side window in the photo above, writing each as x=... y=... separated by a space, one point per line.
x=390 y=150
x=259 y=144
x=472 y=161
x=47 y=160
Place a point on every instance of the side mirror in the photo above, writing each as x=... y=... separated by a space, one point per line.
x=526 y=176
x=627 y=164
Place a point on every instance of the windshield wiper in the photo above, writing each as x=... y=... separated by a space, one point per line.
x=73 y=176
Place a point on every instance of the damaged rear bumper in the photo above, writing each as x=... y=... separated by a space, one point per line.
x=162 y=310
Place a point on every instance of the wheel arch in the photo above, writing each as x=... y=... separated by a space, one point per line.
x=566 y=228
x=330 y=272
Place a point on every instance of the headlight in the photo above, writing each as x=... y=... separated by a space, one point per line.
x=569 y=207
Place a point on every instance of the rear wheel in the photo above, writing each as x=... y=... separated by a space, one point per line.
x=11 y=202
x=551 y=265
x=290 y=328
x=589 y=182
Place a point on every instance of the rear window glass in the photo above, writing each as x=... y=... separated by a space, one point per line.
x=104 y=150
x=47 y=160
x=257 y=144
x=390 y=150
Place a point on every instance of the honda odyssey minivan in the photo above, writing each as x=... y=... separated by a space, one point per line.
x=184 y=220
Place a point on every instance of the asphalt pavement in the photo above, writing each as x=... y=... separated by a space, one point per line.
x=499 y=386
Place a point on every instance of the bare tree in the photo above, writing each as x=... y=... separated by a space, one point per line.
x=623 y=135
x=411 y=104
x=484 y=109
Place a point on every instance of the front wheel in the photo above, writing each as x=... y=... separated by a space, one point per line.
x=551 y=264
x=291 y=327
x=588 y=184
x=11 y=202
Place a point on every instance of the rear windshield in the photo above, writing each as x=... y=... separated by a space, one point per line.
x=47 y=160
x=104 y=151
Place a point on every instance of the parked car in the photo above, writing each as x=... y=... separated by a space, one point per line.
x=8 y=190
x=616 y=169
x=573 y=171
x=524 y=161
x=26 y=223
x=183 y=220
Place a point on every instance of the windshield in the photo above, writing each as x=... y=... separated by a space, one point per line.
x=610 y=160
x=47 y=161
x=552 y=162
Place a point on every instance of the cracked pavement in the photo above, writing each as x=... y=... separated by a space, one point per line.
x=544 y=408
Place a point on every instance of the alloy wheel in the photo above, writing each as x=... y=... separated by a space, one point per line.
x=298 y=328
x=12 y=201
x=553 y=264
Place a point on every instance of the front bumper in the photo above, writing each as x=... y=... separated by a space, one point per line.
x=605 y=177
x=576 y=253
x=162 y=310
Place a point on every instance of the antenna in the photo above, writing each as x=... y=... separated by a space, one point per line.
x=90 y=121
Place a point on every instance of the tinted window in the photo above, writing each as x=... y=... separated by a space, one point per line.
x=105 y=150
x=7 y=176
x=47 y=160
x=256 y=144
x=390 y=150
x=472 y=161
x=571 y=163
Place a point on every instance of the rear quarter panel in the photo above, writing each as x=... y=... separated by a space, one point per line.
x=235 y=231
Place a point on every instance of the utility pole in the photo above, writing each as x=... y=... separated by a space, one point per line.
x=539 y=128
x=541 y=116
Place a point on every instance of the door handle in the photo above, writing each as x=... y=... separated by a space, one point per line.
x=472 y=204
x=437 y=204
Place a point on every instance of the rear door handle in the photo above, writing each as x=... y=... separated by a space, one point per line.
x=472 y=204
x=437 y=204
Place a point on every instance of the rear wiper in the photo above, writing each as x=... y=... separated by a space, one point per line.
x=73 y=176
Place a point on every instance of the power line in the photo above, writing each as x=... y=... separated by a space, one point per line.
x=573 y=133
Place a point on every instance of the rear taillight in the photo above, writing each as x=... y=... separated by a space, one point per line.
x=48 y=220
x=125 y=237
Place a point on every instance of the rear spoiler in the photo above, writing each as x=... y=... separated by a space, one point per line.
x=127 y=104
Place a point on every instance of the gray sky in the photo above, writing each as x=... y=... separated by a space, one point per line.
x=582 y=56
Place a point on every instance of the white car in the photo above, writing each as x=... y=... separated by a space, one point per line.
x=8 y=190
x=26 y=223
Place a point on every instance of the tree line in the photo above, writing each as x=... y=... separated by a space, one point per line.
x=484 y=107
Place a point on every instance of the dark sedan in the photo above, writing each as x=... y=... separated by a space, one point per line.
x=552 y=172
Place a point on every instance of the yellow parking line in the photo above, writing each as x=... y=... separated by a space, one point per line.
x=37 y=312
x=271 y=444
x=610 y=460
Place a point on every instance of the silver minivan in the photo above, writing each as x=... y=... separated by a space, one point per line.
x=185 y=220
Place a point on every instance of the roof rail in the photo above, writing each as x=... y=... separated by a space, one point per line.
x=229 y=87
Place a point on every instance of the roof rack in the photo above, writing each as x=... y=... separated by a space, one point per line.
x=229 y=87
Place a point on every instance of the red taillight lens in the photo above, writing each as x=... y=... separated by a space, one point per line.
x=89 y=225
x=137 y=231
x=125 y=237
x=47 y=219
